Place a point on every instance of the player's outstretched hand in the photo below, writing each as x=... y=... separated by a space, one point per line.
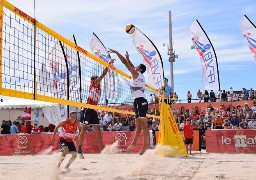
x=112 y=51
x=127 y=55
x=111 y=62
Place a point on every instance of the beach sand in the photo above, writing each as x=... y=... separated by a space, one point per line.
x=123 y=166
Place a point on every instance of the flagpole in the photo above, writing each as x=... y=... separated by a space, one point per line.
x=171 y=52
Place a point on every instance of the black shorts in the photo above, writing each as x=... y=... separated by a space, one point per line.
x=89 y=116
x=140 y=107
x=71 y=146
x=167 y=101
x=189 y=141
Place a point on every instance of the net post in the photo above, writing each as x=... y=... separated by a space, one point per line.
x=1 y=40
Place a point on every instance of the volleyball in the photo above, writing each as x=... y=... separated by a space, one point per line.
x=130 y=28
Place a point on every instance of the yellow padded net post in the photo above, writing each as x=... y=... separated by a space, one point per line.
x=170 y=139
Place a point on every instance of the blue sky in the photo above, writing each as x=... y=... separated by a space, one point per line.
x=220 y=19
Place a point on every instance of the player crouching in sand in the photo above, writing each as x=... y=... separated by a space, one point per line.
x=67 y=136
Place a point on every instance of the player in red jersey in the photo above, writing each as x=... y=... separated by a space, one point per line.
x=90 y=116
x=67 y=135
x=188 y=135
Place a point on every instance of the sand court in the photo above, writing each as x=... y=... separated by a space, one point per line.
x=130 y=167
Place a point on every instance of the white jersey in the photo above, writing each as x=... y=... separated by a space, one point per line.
x=138 y=86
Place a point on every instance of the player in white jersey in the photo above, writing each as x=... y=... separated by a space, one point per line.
x=140 y=103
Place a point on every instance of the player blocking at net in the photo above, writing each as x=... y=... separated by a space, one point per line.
x=90 y=116
x=140 y=103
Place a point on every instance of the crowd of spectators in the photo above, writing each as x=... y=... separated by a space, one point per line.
x=15 y=127
x=223 y=95
x=223 y=117
x=119 y=122
x=230 y=117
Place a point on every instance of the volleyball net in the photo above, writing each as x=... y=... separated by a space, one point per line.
x=38 y=63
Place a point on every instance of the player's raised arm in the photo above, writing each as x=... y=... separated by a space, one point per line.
x=128 y=59
x=104 y=73
x=129 y=66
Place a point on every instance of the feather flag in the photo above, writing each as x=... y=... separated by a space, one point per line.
x=56 y=73
x=100 y=50
x=37 y=115
x=151 y=57
x=207 y=55
x=248 y=29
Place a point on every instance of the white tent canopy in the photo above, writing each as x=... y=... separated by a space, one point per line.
x=22 y=103
x=51 y=110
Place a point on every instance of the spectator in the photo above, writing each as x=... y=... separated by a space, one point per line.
x=41 y=128
x=234 y=121
x=235 y=97
x=218 y=122
x=254 y=107
x=189 y=96
x=212 y=96
x=224 y=96
x=155 y=126
x=46 y=129
x=29 y=127
x=248 y=112
x=175 y=95
x=206 y=96
x=111 y=126
x=210 y=108
x=239 y=111
x=150 y=99
x=252 y=124
x=35 y=129
x=222 y=107
x=243 y=124
x=207 y=115
x=245 y=94
x=231 y=93
x=167 y=92
x=51 y=127
x=199 y=95
x=14 y=128
x=117 y=125
x=226 y=124
x=231 y=108
x=132 y=126
x=5 y=127
x=107 y=119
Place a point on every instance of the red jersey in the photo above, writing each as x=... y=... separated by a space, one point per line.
x=94 y=93
x=68 y=131
x=188 y=131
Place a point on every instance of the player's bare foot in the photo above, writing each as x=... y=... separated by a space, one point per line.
x=81 y=156
x=67 y=167
x=131 y=147
x=142 y=151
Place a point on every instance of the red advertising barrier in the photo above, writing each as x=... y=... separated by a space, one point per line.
x=36 y=143
x=231 y=141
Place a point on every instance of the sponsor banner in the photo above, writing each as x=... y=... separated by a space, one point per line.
x=100 y=50
x=231 y=141
x=151 y=57
x=196 y=140
x=36 y=143
x=207 y=55
x=248 y=29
